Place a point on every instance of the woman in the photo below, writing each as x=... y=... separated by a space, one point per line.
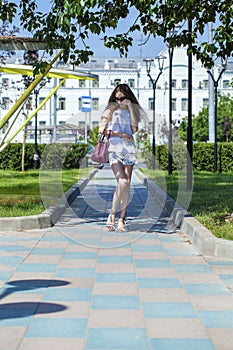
x=121 y=117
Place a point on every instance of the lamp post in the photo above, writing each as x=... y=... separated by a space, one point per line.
x=149 y=62
x=216 y=81
x=36 y=92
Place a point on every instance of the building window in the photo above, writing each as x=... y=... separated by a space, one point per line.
x=150 y=104
x=150 y=84
x=225 y=84
x=95 y=104
x=205 y=84
x=41 y=99
x=184 y=104
x=64 y=82
x=174 y=83
x=62 y=104
x=131 y=83
x=42 y=122
x=5 y=103
x=62 y=122
x=184 y=84
x=117 y=82
x=5 y=83
x=150 y=128
x=174 y=104
x=95 y=125
x=95 y=83
x=82 y=83
x=205 y=102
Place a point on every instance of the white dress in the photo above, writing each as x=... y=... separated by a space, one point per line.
x=121 y=150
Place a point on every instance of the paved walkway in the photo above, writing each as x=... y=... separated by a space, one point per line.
x=77 y=286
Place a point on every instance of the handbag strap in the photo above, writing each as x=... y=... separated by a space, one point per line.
x=103 y=135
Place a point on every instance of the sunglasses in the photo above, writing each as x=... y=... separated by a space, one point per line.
x=121 y=98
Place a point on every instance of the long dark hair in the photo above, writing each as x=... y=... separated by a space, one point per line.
x=113 y=105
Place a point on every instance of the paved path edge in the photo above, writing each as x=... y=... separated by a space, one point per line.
x=202 y=239
x=50 y=216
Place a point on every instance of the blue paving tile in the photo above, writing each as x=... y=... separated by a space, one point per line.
x=37 y=268
x=147 y=248
x=171 y=239
x=152 y=263
x=68 y=294
x=181 y=344
x=199 y=268
x=217 y=262
x=117 y=338
x=48 y=251
x=149 y=282
x=80 y=255
x=227 y=278
x=26 y=290
x=16 y=239
x=116 y=259
x=11 y=260
x=206 y=289
x=57 y=328
x=217 y=319
x=115 y=302
x=75 y=272
x=169 y=310
x=7 y=321
x=14 y=248
x=5 y=275
x=181 y=252
x=54 y=239
x=115 y=277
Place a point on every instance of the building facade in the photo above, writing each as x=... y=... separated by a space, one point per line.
x=64 y=110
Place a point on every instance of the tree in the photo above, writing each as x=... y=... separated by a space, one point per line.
x=6 y=31
x=68 y=23
x=200 y=122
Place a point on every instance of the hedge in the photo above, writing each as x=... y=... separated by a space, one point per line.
x=51 y=156
x=203 y=156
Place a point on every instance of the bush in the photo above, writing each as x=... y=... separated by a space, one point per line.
x=52 y=156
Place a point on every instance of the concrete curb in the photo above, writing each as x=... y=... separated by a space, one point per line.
x=202 y=239
x=50 y=216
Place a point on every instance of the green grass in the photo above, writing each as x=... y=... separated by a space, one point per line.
x=210 y=202
x=31 y=192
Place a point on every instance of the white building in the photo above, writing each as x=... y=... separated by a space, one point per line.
x=66 y=107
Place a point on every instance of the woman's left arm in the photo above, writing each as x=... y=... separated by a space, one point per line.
x=134 y=123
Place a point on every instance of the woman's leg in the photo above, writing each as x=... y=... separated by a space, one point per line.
x=121 y=195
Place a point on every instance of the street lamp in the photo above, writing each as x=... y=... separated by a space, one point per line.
x=149 y=62
x=36 y=92
x=216 y=81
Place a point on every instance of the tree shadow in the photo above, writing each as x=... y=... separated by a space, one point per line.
x=27 y=309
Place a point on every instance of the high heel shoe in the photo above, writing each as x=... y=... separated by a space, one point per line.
x=121 y=225
x=110 y=222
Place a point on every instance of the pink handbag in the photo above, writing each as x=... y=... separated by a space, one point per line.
x=100 y=154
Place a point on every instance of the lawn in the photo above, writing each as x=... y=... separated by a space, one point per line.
x=31 y=192
x=210 y=202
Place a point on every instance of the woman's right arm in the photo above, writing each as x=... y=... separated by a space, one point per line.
x=104 y=121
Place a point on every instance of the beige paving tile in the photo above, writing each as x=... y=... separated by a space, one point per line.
x=104 y=288
x=155 y=272
x=147 y=242
x=46 y=259
x=222 y=339
x=149 y=255
x=193 y=277
x=19 y=298
x=227 y=269
x=52 y=343
x=175 y=328
x=116 y=318
x=11 y=337
x=115 y=251
x=32 y=276
x=76 y=263
x=194 y=259
x=163 y=295
x=212 y=302
x=115 y=268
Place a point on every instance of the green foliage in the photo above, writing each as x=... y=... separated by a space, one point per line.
x=94 y=136
x=200 y=122
x=203 y=156
x=52 y=156
x=67 y=24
